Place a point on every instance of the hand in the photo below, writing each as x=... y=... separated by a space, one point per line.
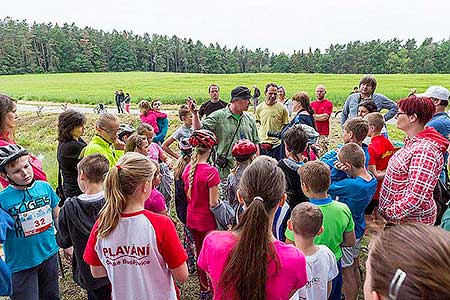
x=68 y=253
x=192 y=105
x=342 y=166
x=119 y=145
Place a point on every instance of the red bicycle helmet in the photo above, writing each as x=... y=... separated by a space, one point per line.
x=203 y=138
x=243 y=148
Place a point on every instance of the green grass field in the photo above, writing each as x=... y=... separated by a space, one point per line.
x=91 y=88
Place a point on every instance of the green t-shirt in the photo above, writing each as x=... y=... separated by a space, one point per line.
x=273 y=118
x=99 y=145
x=337 y=219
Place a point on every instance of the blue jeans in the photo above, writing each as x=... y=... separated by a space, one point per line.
x=37 y=283
x=336 y=290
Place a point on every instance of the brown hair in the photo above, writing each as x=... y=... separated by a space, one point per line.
x=134 y=141
x=295 y=139
x=181 y=164
x=353 y=154
x=183 y=111
x=375 y=119
x=67 y=121
x=104 y=120
x=370 y=80
x=7 y=104
x=143 y=127
x=245 y=273
x=358 y=126
x=211 y=85
x=132 y=169
x=421 y=251
x=94 y=167
x=305 y=102
x=145 y=105
x=316 y=175
x=306 y=219
x=194 y=161
x=271 y=84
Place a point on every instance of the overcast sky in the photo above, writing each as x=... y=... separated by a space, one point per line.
x=280 y=25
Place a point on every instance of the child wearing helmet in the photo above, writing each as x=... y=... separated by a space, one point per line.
x=201 y=184
x=124 y=132
x=30 y=246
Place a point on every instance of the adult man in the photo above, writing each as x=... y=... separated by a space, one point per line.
x=367 y=86
x=212 y=104
x=283 y=100
x=272 y=115
x=322 y=111
x=119 y=97
x=440 y=120
x=229 y=124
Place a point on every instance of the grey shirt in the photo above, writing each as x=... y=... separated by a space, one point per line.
x=350 y=109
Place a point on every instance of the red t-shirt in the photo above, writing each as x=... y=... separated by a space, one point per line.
x=199 y=216
x=323 y=107
x=380 y=151
x=137 y=256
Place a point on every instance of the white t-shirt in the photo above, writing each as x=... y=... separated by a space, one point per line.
x=321 y=268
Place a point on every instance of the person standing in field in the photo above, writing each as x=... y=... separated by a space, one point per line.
x=272 y=116
x=367 y=86
x=212 y=104
x=283 y=100
x=119 y=99
x=322 y=111
x=127 y=102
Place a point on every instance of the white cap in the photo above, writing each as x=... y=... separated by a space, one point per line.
x=438 y=92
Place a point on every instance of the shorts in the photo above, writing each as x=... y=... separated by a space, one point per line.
x=350 y=253
x=372 y=205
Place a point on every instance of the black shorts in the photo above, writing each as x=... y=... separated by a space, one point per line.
x=369 y=209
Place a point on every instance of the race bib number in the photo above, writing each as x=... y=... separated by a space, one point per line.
x=36 y=221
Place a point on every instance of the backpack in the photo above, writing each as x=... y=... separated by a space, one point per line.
x=441 y=196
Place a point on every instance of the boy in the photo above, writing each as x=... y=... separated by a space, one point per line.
x=380 y=151
x=355 y=130
x=356 y=191
x=76 y=219
x=306 y=223
x=30 y=247
x=184 y=131
x=337 y=218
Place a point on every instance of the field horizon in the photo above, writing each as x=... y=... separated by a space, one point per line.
x=173 y=88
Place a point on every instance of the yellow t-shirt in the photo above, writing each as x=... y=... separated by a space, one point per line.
x=272 y=118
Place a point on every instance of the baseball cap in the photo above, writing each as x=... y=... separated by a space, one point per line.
x=437 y=92
x=240 y=92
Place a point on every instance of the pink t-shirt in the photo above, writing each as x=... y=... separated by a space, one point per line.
x=151 y=118
x=155 y=202
x=199 y=216
x=291 y=275
x=154 y=151
x=137 y=256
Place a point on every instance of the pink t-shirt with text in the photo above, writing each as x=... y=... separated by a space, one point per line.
x=289 y=277
x=199 y=216
x=155 y=202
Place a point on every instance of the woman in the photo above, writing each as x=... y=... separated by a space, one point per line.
x=412 y=173
x=301 y=105
x=8 y=121
x=398 y=267
x=70 y=128
x=163 y=123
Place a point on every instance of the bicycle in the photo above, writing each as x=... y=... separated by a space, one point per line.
x=100 y=109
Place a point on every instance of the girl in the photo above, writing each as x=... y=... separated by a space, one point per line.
x=138 y=250
x=137 y=143
x=163 y=123
x=155 y=152
x=150 y=116
x=301 y=105
x=399 y=268
x=201 y=184
x=248 y=263
x=184 y=131
x=156 y=202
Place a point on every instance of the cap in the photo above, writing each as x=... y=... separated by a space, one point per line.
x=437 y=92
x=240 y=92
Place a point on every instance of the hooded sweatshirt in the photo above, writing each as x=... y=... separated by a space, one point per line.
x=76 y=219
x=407 y=190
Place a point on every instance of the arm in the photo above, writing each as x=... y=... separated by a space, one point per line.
x=196 y=123
x=180 y=273
x=98 y=271
x=349 y=239
x=321 y=117
x=345 y=111
x=378 y=174
x=329 y=287
x=389 y=105
x=162 y=130
x=214 y=195
x=166 y=148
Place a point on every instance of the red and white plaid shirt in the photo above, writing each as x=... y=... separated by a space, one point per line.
x=407 y=190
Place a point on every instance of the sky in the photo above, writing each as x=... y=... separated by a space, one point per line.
x=280 y=25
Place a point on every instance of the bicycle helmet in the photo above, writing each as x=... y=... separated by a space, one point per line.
x=243 y=150
x=184 y=145
x=203 y=138
x=10 y=153
x=124 y=129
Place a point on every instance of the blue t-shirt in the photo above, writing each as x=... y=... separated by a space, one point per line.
x=331 y=157
x=441 y=122
x=356 y=193
x=6 y=223
x=32 y=240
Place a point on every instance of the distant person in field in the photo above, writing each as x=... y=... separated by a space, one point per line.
x=283 y=100
x=355 y=90
x=163 y=123
x=212 y=104
x=127 y=102
x=119 y=97
x=367 y=86
x=322 y=111
x=272 y=115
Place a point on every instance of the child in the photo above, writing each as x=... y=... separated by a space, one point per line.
x=127 y=102
x=356 y=191
x=201 y=184
x=184 y=131
x=306 y=223
x=138 y=250
x=150 y=116
x=380 y=151
x=163 y=123
x=247 y=263
x=124 y=132
x=337 y=218
x=76 y=219
x=137 y=143
x=156 y=202
x=355 y=130
x=6 y=223
x=30 y=247
x=243 y=152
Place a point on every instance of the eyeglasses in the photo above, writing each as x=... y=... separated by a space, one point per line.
x=111 y=132
x=400 y=113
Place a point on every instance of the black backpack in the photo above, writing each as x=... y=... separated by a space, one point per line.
x=441 y=195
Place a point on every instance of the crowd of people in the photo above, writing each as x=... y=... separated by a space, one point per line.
x=268 y=209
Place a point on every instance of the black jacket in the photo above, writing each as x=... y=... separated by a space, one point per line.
x=68 y=157
x=294 y=191
x=75 y=221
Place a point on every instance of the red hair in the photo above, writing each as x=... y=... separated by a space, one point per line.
x=423 y=107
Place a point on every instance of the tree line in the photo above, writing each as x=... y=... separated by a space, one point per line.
x=52 y=48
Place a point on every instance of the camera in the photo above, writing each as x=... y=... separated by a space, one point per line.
x=275 y=134
x=221 y=161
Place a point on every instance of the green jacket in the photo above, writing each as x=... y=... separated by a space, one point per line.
x=99 y=145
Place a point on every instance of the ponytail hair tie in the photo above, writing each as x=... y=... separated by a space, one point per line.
x=258 y=198
x=118 y=167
